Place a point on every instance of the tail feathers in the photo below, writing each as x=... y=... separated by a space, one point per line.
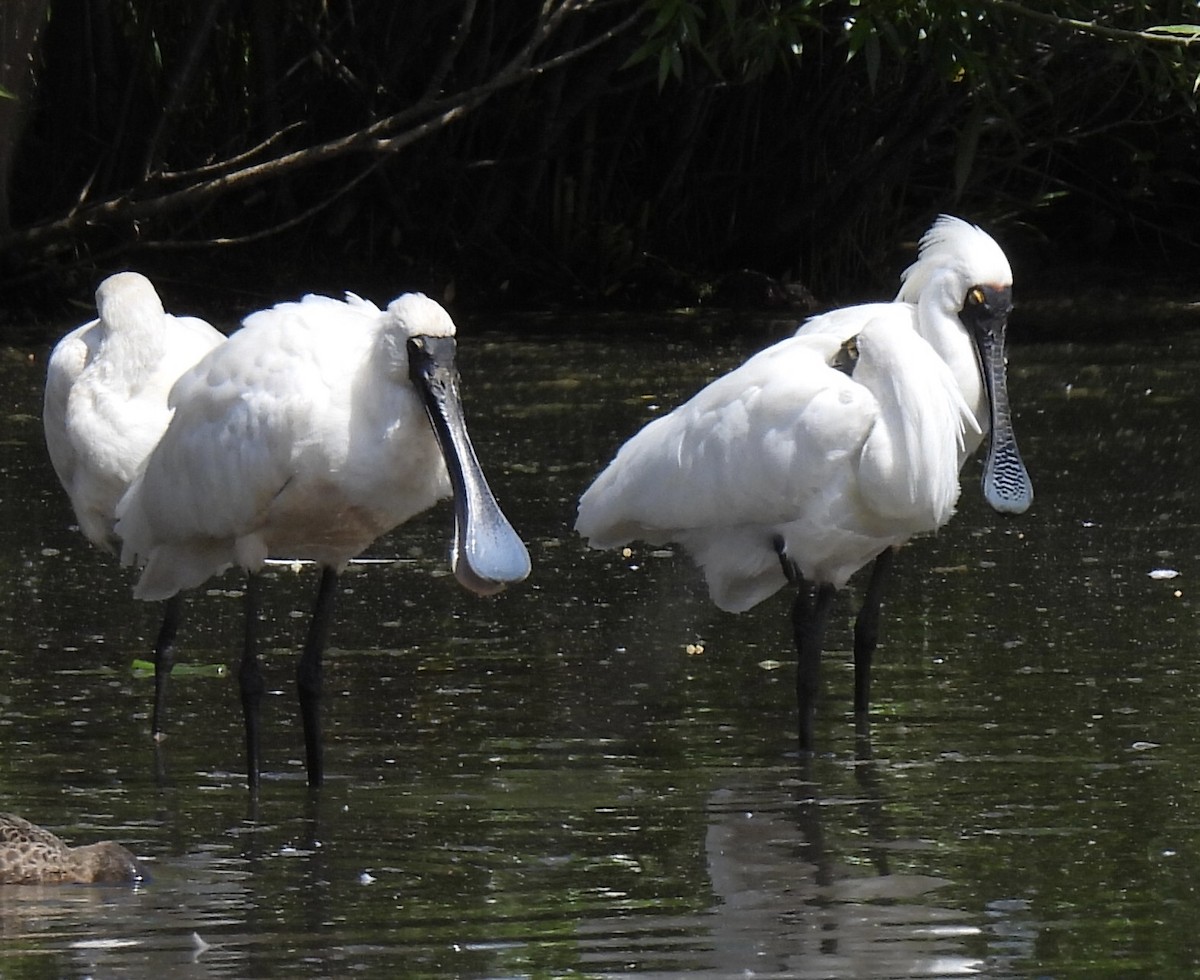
x=739 y=574
x=604 y=537
x=174 y=568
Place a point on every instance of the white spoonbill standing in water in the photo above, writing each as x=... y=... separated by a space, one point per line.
x=317 y=427
x=106 y=407
x=826 y=451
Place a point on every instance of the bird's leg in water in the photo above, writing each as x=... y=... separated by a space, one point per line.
x=250 y=681
x=310 y=674
x=866 y=630
x=810 y=614
x=790 y=571
x=164 y=660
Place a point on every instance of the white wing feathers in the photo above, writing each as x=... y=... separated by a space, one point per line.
x=239 y=424
x=755 y=446
x=788 y=451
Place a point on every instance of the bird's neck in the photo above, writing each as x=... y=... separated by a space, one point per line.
x=945 y=333
x=133 y=350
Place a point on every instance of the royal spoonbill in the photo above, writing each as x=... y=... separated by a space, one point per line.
x=106 y=407
x=317 y=427
x=829 y=449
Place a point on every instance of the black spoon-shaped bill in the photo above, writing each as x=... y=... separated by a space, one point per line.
x=488 y=554
x=1006 y=484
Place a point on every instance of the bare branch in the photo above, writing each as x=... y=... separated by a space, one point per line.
x=1177 y=35
x=452 y=49
x=386 y=135
x=223 y=166
x=299 y=219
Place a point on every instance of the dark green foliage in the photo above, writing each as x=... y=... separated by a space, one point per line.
x=807 y=139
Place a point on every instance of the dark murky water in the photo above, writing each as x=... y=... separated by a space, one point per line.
x=595 y=774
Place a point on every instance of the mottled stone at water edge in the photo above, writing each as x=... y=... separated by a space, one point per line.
x=30 y=855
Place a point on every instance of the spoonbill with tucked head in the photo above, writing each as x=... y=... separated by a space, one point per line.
x=317 y=427
x=106 y=407
x=831 y=448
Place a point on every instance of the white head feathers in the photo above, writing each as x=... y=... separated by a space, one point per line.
x=954 y=245
x=418 y=314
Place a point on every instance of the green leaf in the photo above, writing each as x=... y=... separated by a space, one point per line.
x=1189 y=31
x=144 y=668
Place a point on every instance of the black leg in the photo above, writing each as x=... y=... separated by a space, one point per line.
x=790 y=571
x=810 y=614
x=310 y=675
x=250 y=681
x=866 y=630
x=164 y=660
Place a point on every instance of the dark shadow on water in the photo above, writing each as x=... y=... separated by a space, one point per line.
x=790 y=898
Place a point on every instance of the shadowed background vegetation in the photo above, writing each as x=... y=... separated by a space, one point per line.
x=600 y=152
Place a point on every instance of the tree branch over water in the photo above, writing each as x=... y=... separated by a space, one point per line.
x=434 y=110
x=608 y=151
